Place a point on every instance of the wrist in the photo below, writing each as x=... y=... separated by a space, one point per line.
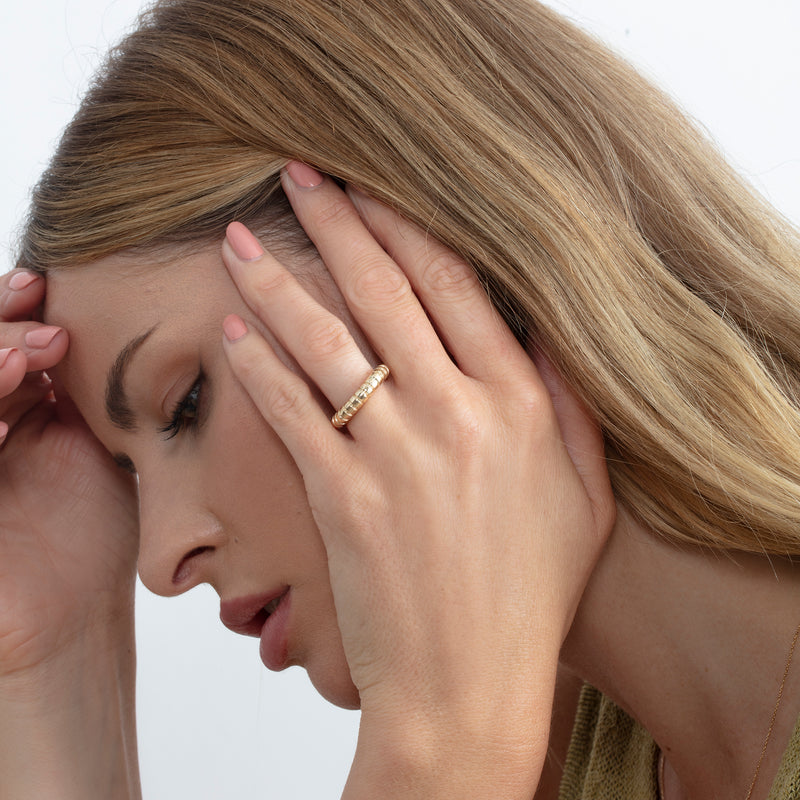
x=67 y=725
x=485 y=741
x=427 y=766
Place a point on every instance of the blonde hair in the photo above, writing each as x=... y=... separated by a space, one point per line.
x=604 y=225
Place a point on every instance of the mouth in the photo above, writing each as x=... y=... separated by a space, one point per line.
x=247 y=615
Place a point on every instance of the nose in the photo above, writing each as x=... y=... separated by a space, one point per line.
x=179 y=537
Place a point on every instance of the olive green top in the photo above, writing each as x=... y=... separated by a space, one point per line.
x=611 y=757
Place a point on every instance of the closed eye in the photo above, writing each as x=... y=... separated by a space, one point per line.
x=186 y=414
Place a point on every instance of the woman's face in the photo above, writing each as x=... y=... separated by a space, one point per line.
x=221 y=500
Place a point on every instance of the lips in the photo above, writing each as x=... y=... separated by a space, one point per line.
x=247 y=615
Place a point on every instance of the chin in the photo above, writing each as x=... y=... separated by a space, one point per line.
x=335 y=686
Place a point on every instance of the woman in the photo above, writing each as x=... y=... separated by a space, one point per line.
x=447 y=549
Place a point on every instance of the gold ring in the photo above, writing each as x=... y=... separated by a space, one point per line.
x=361 y=395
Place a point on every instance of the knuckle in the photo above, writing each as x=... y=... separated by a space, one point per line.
x=264 y=283
x=326 y=337
x=467 y=419
x=246 y=368
x=532 y=403
x=287 y=401
x=335 y=213
x=445 y=273
x=376 y=282
x=467 y=426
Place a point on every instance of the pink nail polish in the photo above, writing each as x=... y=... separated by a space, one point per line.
x=22 y=280
x=243 y=243
x=4 y=354
x=234 y=328
x=40 y=338
x=304 y=176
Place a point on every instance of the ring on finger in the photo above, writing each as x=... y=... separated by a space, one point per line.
x=360 y=396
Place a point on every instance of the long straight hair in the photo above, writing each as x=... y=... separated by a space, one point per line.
x=605 y=226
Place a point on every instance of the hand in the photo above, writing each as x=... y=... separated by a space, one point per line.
x=462 y=512
x=68 y=519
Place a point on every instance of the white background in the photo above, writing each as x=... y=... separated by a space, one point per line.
x=213 y=723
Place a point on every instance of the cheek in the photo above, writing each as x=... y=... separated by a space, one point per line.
x=252 y=462
x=258 y=491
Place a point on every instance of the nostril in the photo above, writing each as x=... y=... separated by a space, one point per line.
x=182 y=572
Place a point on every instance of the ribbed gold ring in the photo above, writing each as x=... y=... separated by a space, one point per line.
x=360 y=396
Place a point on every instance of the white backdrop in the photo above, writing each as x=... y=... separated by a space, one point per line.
x=213 y=723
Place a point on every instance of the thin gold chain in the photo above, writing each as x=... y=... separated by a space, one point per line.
x=774 y=714
x=766 y=738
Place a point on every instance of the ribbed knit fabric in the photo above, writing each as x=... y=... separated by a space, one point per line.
x=611 y=757
x=787 y=781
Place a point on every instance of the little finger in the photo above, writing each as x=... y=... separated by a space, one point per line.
x=584 y=442
x=30 y=394
x=471 y=328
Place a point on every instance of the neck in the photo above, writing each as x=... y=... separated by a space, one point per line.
x=693 y=645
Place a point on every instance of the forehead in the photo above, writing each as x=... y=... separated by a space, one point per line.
x=128 y=287
x=105 y=305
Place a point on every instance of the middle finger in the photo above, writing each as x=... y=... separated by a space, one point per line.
x=375 y=289
x=43 y=345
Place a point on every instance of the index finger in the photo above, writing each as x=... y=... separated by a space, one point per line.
x=21 y=292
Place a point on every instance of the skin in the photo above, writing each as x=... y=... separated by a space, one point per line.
x=374 y=549
x=222 y=503
x=393 y=588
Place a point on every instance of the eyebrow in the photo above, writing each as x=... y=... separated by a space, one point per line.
x=117 y=404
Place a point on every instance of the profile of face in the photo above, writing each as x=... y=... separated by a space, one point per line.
x=221 y=500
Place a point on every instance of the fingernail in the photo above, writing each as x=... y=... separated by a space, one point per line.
x=4 y=354
x=22 y=280
x=3 y=431
x=304 y=176
x=234 y=328
x=243 y=243
x=40 y=338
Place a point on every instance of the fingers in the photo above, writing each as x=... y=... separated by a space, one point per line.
x=13 y=366
x=27 y=396
x=318 y=340
x=470 y=327
x=27 y=348
x=20 y=293
x=583 y=440
x=283 y=398
x=374 y=288
x=19 y=390
x=42 y=345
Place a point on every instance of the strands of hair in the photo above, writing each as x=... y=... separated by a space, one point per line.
x=604 y=225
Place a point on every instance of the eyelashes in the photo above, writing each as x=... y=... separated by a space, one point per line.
x=186 y=414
